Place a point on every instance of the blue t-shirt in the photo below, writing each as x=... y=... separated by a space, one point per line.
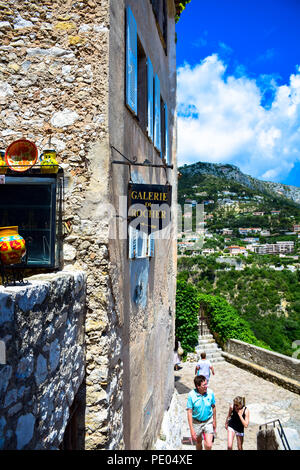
x=201 y=405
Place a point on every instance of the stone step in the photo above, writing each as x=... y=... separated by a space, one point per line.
x=206 y=336
x=216 y=353
x=217 y=360
x=202 y=342
x=206 y=344
x=212 y=349
x=213 y=356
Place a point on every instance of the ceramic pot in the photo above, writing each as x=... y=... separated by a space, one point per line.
x=49 y=163
x=12 y=245
x=3 y=167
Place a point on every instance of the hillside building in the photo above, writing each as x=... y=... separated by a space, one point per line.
x=273 y=248
x=247 y=231
x=237 y=250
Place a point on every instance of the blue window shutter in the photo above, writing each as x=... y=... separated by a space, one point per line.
x=157 y=123
x=151 y=242
x=150 y=98
x=132 y=235
x=131 y=61
x=167 y=155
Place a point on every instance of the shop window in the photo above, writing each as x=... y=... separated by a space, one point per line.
x=34 y=204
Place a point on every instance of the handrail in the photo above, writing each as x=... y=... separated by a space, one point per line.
x=281 y=433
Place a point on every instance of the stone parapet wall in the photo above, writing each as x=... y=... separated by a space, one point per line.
x=42 y=327
x=284 y=365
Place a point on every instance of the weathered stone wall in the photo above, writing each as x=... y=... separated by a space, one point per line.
x=62 y=74
x=285 y=365
x=144 y=288
x=42 y=326
x=54 y=81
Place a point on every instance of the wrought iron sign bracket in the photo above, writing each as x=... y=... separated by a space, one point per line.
x=146 y=163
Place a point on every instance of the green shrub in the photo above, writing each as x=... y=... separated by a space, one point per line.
x=226 y=322
x=187 y=308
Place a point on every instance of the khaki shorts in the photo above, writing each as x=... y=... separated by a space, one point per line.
x=205 y=426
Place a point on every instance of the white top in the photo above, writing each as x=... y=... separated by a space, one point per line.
x=204 y=368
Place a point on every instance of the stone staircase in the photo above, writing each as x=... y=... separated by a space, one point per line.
x=207 y=343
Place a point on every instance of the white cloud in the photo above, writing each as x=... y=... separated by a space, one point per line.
x=221 y=119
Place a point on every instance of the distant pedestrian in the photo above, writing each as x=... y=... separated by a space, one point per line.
x=237 y=419
x=203 y=367
x=201 y=413
x=178 y=351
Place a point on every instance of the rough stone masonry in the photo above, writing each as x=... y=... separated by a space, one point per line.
x=42 y=327
x=54 y=82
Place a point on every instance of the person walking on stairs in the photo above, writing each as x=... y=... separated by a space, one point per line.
x=201 y=413
x=237 y=419
x=203 y=367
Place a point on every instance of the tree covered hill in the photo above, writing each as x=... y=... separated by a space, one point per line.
x=263 y=289
x=232 y=178
x=232 y=199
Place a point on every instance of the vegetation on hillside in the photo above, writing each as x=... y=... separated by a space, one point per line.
x=223 y=318
x=268 y=300
x=261 y=289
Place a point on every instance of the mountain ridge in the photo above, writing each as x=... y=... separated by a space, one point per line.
x=232 y=172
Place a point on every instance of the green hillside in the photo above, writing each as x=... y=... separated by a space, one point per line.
x=260 y=285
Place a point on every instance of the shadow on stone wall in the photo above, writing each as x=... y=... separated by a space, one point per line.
x=74 y=436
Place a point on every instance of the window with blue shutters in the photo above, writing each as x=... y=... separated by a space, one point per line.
x=140 y=245
x=160 y=13
x=142 y=101
x=167 y=151
x=131 y=61
x=143 y=92
x=151 y=245
x=150 y=98
x=157 y=114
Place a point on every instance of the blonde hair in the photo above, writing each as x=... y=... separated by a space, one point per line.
x=240 y=401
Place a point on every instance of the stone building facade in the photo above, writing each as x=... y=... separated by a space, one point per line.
x=64 y=74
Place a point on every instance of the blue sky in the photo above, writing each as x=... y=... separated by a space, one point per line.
x=238 y=93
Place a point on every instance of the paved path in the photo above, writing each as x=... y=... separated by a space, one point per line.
x=266 y=401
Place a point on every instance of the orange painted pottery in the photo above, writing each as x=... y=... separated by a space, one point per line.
x=12 y=245
x=21 y=155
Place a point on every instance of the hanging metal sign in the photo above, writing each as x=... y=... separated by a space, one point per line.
x=149 y=206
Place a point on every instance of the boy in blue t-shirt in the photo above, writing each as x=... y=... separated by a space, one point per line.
x=201 y=413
